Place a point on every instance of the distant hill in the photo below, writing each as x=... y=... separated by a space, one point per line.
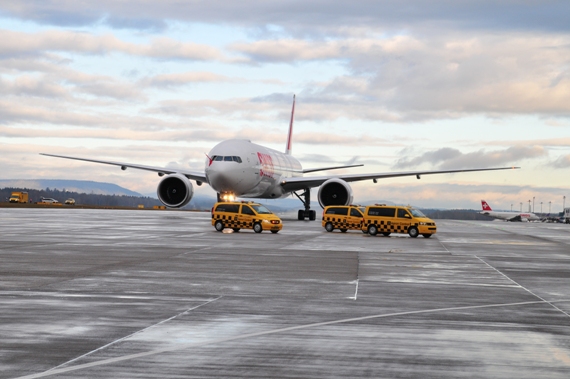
x=80 y=186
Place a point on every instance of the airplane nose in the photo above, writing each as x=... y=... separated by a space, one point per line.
x=224 y=178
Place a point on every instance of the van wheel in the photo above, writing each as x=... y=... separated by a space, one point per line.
x=343 y=230
x=274 y=231
x=372 y=230
x=413 y=232
x=329 y=227
x=219 y=226
x=236 y=230
x=386 y=234
x=257 y=227
x=426 y=235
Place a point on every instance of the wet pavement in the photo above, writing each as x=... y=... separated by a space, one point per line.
x=147 y=294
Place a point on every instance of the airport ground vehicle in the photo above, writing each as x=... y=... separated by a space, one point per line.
x=342 y=217
x=244 y=215
x=70 y=201
x=19 y=197
x=387 y=219
x=48 y=200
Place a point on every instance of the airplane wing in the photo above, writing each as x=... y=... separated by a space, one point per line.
x=194 y=175
x=302 y=182
x=330 y=168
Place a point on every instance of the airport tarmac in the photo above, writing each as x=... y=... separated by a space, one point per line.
x=161 y=294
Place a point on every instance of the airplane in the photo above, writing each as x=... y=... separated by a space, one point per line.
x=241 y=168
x=507 y=216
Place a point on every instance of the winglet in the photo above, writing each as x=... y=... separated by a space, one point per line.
x=290 y=135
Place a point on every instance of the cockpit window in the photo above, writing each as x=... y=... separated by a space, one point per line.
x=227 y=158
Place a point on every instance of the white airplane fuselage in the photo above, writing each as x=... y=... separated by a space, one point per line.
x=256 y=173
x=511 y=216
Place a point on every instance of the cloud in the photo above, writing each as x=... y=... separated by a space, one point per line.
x=450 y=158
x=562 y=162
x=180 y=79
x=20 y=44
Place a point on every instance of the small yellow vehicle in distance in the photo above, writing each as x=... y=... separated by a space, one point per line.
x=387 y=219
x=244 y=215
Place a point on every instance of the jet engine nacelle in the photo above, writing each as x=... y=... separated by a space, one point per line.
x=175 y=190
x=335 y=192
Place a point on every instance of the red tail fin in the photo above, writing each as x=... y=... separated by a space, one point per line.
x=290 y=135
x=485 y=206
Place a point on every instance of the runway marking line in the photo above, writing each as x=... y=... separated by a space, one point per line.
x=268 y=332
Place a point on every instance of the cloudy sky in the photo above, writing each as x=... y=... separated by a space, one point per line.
x=395 y=85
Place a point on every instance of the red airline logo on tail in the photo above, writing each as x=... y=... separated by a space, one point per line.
x=485 y=206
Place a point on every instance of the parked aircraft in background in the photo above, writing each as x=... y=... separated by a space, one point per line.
x=240 y=168
x=507 y=216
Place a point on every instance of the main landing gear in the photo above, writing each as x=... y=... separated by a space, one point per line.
x=306 y=200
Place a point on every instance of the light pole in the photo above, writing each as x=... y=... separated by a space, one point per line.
x=521 y=206
x=550 y=202
x=529 y=206
x=563 y=203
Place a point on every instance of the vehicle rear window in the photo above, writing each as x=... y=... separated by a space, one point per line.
x=232 y=208
x=381 y=212
x=337 y=211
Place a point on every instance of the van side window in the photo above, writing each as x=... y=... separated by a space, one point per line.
x=355 y=212
x=382 y=212
x=246 y=210
x=402 y=213
x=337 y=211
x=231 y=208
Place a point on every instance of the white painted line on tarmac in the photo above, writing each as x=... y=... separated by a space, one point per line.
x=132 y=334
x=268 y=332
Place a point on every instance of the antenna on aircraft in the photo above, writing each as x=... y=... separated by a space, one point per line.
x=290 y=135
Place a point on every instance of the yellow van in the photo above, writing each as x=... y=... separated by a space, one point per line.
x=387 y=219
x=342 y=217
x=244 y=215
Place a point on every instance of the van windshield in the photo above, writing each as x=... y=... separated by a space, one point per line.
x=261 y=210
x=416 y=213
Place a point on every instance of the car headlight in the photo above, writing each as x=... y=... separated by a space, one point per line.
x=423 y=223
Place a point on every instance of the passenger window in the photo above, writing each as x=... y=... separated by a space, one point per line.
x=231 y=208
x=355 y=212
x=337 y=211
x=402 y=213
x=382 y=212
x=246 y=210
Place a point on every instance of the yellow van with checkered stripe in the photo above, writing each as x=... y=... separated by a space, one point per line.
x=387 y=219
x=244 y=215
x=342 y=217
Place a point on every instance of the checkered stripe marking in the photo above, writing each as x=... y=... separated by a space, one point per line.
x=338 y=223
x=383 y=226
x=233 y=222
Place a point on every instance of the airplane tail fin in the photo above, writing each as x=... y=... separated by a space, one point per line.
x=290 y=135
x=485 y=206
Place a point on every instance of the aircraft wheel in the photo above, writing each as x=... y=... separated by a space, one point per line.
x=301 y=215
x=386 y=234
x=413 y=232
x=372 y=230
x=219 y=226
x=312 y=215
x=426 y=235
x=257 y=227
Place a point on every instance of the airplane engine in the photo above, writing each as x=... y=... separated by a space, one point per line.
x=335 y=192
x=175 y=191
